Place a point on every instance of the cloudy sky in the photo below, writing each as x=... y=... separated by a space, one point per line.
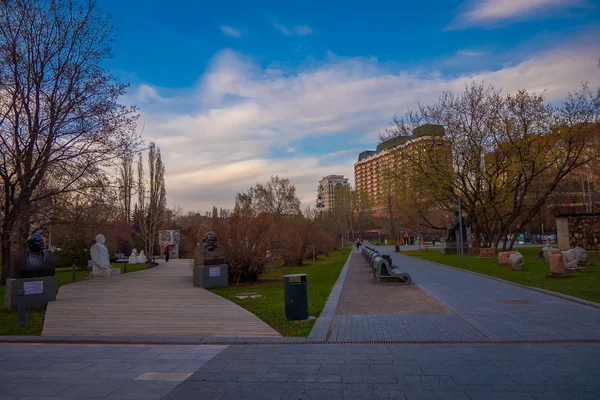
x=235 y=91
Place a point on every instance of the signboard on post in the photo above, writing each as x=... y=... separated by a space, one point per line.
x=33 y=287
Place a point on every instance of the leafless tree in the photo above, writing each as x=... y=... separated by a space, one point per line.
x=277 y=197
x=126 y=184
x=60 y=120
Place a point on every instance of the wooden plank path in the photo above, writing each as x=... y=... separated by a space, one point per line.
x=160 y=302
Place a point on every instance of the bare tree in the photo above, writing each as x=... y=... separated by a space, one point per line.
x=277 y=197
x=60 y=119
x=508 y=153
x=151 y=205
x=126 y=184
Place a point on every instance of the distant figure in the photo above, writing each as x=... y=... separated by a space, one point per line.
x=434 y=242
x=358 y=245
x=167 y=251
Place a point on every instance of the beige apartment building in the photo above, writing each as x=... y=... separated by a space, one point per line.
x=392 y=154
x=327 y=189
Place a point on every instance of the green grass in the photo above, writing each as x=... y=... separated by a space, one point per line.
x=34 y=319
x=583 y=285
x=320 y=275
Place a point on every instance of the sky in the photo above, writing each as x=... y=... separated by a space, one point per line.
x=235 y=91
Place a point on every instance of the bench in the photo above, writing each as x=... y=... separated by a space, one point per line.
x=384 y=271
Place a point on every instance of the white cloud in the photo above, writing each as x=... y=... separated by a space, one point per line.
x=486 y=11
x=300 y=30
x=470 y=53
x=242 y=113
x=229 y=31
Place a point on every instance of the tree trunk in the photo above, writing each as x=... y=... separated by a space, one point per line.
x=5 y=253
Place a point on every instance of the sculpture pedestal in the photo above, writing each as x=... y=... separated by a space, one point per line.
x=105 y=273
x=38 y=292
x=211 y=276
x=452 y=248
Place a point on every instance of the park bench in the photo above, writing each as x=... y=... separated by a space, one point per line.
x=384 y=271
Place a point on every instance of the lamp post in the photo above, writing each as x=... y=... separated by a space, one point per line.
x=460 y=228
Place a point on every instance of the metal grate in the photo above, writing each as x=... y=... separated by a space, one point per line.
x=516 y=301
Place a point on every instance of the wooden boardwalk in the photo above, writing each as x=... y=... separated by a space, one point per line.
x=160 y=302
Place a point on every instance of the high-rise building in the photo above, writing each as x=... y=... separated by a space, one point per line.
x=393 y=153
x=327 y=189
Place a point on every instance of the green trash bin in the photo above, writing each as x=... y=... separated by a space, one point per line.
x=295 y=296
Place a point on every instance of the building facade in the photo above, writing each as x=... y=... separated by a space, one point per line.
x=327 y=188
x=394 y=155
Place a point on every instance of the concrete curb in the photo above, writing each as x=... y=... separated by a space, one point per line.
x=320 y=330
x=534 y=289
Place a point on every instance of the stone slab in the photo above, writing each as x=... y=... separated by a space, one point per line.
x=31 y=300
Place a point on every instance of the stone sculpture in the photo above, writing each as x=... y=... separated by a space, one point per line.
x=570 y=259
x=33 y=262
x=141 y=258
x=546 y=250
x=31 y=270
x=100 y=259
x=581 y=256
x=516 y=260
x=503 y=257
x=488 y=252
x=210 y=270
x=133 y=259
x=557 y=266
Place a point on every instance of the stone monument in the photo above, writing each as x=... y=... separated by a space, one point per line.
x=575 y=259
x=133 y=257
x=516 y=260
x=141 y=258
x=546 y=251
x=31 y=270
x=173 y=238
x=451 y=244
x=488 y=252
x=504 y=257
x=557 y=267
x=101 y=267
x=210 y=270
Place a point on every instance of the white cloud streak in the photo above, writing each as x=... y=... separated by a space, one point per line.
x=300 y=30
x=229 y=31
x=487 y=11
x=240 y=114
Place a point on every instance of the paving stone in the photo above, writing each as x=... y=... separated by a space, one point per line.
x=141 y=392
x=254 y=394
x=316 y=394
x=89 y=390
x=315 y=378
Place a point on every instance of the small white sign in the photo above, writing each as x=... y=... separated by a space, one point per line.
x=214 y=272
x=33 y=287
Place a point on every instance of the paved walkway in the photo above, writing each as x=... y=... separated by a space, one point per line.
x=292 y=372
x=483 y=309
x=156 y=302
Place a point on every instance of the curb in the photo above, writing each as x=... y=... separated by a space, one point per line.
x=320 y=330
x=532 y=288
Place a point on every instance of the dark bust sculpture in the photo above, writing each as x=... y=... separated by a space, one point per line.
x=34 y=262
x=210 y=253
x=455 y=227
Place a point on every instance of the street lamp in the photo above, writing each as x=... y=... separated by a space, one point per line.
x=460 y=232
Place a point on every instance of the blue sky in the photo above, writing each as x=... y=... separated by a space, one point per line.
x=235 y=91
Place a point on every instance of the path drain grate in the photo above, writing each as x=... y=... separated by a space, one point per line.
x=516 y=301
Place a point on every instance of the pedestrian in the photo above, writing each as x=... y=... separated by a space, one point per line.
x=434 y=242
x=167 y=251
x=358 y=245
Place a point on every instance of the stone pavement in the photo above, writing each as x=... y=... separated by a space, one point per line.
x=360 y=371
x=483 y=308
x=68 y=372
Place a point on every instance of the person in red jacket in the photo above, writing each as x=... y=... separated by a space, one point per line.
x=167 y=251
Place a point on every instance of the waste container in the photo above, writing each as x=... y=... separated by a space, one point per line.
x=397 y=249
x=296 y=297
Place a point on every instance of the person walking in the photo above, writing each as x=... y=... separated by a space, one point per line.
x=358 y=245
x=167 y=251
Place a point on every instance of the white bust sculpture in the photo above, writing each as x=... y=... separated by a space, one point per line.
x=133 y=259
x=100 y=260
x=99 y=253
x=141 y=258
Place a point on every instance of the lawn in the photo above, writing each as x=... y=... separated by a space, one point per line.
x=320 y=275
x=35 y=318
x=583 y=285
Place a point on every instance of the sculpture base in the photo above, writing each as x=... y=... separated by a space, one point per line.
x=105 y=273
x=38 y=292
x=211 y=276
x=453 y=247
